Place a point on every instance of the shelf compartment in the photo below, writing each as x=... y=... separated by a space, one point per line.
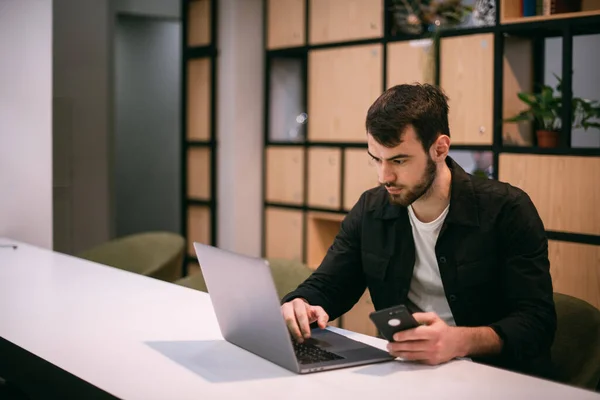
x=563 y=188
x=344 y=20
x=287 y=102
x=198 y=227
x=324 y=170
x=359 y=175
x=285 y=175
x=199 y=23
x=469 y=84
x=284 y=231
x=337 y=101
x=198 y=99
x=198 y=173
x=410 y=61
x=286 y=22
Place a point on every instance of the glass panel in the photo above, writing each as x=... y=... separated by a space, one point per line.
x=479 y=163
x=586 y=85
x=287 y=114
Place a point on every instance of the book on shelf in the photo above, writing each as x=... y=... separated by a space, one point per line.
x=530 y=8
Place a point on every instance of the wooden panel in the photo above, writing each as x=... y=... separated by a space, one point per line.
x=324 y=177
x=510 y=9
x=359 y=175
x=467 y=77
x=198 y=227
x=357 y=319
x=564 y=188
x=198 y=99
x=410 y=62
x=321 y=230
x=342 y=85
x=344 y=20
x=199 y=23
x=575 y=270
x=284 y=233
x=518 y=77
x=285 y=175
x=286 y=20
x=198 y=173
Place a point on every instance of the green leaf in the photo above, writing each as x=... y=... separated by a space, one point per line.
x=527 y=98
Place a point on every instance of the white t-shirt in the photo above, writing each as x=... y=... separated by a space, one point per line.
x=426 y=288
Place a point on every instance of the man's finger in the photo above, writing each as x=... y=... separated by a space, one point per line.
x=290 y=320
x=418 y=333
x=320 y=315
x=426 y=318
x=302 y=317
x=412 y=346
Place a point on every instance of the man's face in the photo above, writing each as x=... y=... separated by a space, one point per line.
x=406 y=170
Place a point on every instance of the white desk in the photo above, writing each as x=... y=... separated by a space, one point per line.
x=139 y=338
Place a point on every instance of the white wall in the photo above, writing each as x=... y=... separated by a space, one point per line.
x=26 y=121
x=240 y=125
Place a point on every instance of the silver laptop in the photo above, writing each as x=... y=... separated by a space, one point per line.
x=248 y=311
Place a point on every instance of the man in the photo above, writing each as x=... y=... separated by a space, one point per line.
x=468 y=254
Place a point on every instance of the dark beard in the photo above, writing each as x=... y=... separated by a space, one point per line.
x=407 y=197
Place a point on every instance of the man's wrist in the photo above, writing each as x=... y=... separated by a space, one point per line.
x=479 y=341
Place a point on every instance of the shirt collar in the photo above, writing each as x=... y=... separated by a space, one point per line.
x=463 y=204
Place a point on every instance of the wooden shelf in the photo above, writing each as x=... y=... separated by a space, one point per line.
x=469 y=84
x=359 y=175
x=337 y=100
x=285 y=175
x=563 y=188
x=199 y=174
x=573 y=273
x=518 y=77
x=198 y=99
x=410 y=61
x=284 y=233
x=324 y=170
x=198 y=227
x=345 y=20
x=199 y=23
x=538 y=18
x=285 y=23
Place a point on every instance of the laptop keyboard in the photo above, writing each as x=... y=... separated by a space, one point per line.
x=308 y=353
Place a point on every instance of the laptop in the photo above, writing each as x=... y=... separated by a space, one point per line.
x=248 y=311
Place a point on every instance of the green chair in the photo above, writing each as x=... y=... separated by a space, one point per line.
x=287 y=275
x=155 y=254
x=576 y=348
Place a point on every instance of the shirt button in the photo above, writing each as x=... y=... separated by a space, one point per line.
x=443 y=259
x=452 y=298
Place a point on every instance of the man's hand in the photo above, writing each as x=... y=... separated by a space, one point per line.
x=298 y=315
x=434 y=342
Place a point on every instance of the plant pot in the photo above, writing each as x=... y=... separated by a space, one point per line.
x=547 y=138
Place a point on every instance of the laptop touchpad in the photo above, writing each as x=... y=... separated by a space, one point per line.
x=332 y=341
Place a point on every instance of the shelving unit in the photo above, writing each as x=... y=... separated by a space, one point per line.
x=199 y=186
x=345 y=56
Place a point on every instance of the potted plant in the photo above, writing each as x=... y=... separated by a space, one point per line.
x=546 y=108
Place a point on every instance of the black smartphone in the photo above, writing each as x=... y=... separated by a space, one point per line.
x=391 y=320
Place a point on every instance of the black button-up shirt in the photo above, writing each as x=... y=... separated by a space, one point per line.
x=492 y=253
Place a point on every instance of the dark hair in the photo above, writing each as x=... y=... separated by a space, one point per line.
x=423 y=106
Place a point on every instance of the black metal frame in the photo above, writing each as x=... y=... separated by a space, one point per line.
x=537 y=31
x=190 y=53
